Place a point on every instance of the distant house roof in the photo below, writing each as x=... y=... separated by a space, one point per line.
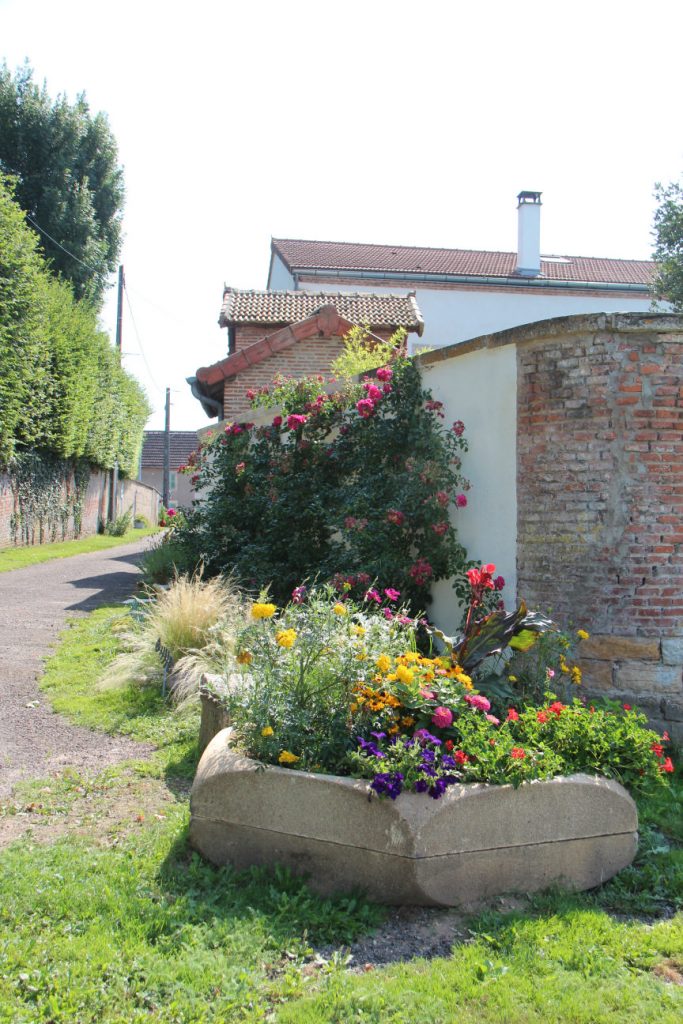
x=183 y=442
x=356 y=258
x=272 y=307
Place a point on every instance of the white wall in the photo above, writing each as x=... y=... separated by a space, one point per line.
x=480 y=388
x=453 y=315
x=280 y=279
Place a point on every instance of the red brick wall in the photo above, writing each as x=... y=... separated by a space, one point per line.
x=600 y=497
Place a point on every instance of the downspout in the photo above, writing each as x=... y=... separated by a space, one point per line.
x=211 y=406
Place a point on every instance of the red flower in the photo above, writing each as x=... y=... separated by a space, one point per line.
x=365 y=407
x=498 y=583
x=440 y=528
x=657 y=749
x=557 y=707
x=668 y=766
x=458 y=428
x=666 y=737
x=442 y=498
x=512 y=715
x=277 y=421
x=395 y=517
x=384 y=373
x=627 y=707
x=421 y=571
x=542 y=717
x=461 y=500
x=460 y=757
x=449 y=745
x=294 y=422
x=518 y=753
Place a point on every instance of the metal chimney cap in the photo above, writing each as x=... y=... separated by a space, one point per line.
x=529 y=197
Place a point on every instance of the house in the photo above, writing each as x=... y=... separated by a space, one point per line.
x=465 y=293
x=183 y=443
x=292 y=333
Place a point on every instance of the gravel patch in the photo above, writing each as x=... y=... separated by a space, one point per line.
x=35 y=604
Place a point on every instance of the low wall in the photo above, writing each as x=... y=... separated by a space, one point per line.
x=130 y=494
x=576 y=459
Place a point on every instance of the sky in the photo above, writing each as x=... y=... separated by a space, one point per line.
x=376 y=121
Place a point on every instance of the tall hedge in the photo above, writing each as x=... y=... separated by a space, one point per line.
x=62 y=389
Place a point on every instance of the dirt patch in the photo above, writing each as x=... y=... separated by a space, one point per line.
x=104 y=811
x=670 y=971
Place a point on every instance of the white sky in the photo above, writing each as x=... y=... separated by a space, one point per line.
x=376 y=121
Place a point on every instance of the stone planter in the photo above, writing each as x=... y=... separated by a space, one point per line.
x=477 y=841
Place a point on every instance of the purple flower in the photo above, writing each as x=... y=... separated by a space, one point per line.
x=423 y=736
x=437 y=789
x=448 y=762
x=421 y=786
x=387 y=784
x=379 y=735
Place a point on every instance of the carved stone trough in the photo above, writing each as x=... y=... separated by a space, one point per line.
x=477 y=841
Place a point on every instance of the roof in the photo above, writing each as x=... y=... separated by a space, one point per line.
x=271 y=307
x=326 y=323
x=183 y=442
x=302 y=255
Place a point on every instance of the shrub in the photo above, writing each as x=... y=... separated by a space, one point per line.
x=119 y=526
x=338 y=486
x=164 y=560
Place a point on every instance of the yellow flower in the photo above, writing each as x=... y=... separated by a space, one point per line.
x=404 y=675
x=358 y=630
x=354 y=708
x=407 y=721
x=267 y=731
x=563 y=664
x=339 y=609
x=262 y=611
x=582 y=634
x=285 y=637
x=383 y=663
x=286 y=757
x=411 y=656
x=513 y=679
x=576 y=675
x=245 y=658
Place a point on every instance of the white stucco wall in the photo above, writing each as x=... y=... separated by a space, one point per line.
x=480 y=388
x=453 y=315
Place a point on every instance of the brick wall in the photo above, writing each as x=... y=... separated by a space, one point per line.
x=130 y=494
x=600 y=497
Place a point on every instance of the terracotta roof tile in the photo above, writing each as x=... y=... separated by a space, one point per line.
x=271 y=307
x=304 y=255
x=183 y=442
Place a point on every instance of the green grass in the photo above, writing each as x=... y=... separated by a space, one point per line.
x=129 y=925
x=20 y=557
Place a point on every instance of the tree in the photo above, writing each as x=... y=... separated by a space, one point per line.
x=668 y=254
x=67 y=179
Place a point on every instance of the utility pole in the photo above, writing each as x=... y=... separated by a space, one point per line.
x=114 y=479
x=165 y=497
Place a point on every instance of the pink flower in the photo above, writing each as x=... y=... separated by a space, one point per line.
x=170 y=512
x=277 y=421
x=492 y=719
x=387 y=389
x=298 y=595
x=388 y=614
x=442 y=718
x=395 y=517
x=461 y=500
x=372 y=595
x=363 y=579
x=349 y=522
x=427 y=694
x=295 y=422
x=458 y=428
x=365 y=407
x=421 y=572
x=374 y=393
x=476 y=701
x=498 y=583
x=251 y=395
x=439 y=528
x=442 y=498
x=240 y=468
x=405 y=620
x=384 y=373
x=392 y=594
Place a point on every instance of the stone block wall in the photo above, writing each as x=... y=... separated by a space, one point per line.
x=600 y=497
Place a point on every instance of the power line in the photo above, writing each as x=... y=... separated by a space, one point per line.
x=139 y=342
x=59 y=245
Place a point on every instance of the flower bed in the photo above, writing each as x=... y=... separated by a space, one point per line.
x=348 y=714
x=477 y=841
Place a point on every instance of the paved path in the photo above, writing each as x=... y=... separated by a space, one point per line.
x=34 y=605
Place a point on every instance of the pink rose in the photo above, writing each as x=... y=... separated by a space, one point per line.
x=294 y=422
x=277 y=421
x=461 y=501
x=365 y=407
x=384 y=373
x=374 y=393
x=442 y=718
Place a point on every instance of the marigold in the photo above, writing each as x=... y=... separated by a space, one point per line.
x=404 y=675
x=285 y=637
x=267 y=731
x=261 y=610
x=339 y=609
x=286 y=757
x=383 y=663
x=582 y=634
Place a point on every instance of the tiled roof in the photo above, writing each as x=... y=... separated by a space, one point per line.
x=338 y=256
x=183 y=442
x=270 y=307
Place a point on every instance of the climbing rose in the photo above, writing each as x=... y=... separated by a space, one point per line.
x=461 y=501
x=458 y=428
x=365 y=407
x=384 y=373
x=295 y=421
x=395 y=517
x=374 y=393
x=277 y=421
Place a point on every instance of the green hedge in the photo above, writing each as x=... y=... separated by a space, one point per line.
x=62 y=389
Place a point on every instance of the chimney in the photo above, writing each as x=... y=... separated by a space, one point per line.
x=528 y=234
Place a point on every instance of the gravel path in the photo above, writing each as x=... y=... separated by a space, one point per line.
x=34 y=605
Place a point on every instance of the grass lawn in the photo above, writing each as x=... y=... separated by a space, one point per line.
x=19 y=557
x=107 y=916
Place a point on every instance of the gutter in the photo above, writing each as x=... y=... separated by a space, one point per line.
x=506 y=282
x=211 y=406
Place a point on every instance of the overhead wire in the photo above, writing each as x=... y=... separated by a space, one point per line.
x=93 y=270
x=137 y=335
